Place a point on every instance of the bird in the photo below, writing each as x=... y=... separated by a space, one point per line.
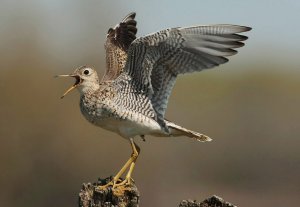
x=131 y=98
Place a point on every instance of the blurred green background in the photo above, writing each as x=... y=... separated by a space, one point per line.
x=249 y=106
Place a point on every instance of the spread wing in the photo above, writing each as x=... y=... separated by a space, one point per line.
x=154 y=61
x=117 y=43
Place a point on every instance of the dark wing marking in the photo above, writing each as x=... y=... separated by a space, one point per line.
x=154 y=61
x=117 y=43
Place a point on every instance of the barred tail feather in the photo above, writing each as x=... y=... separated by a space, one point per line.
x=181 y=131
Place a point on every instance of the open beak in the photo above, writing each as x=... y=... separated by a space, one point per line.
x=77 y=83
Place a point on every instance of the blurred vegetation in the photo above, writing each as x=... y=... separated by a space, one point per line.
x=248 y=106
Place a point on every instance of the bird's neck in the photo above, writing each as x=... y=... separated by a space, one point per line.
x=88 y=88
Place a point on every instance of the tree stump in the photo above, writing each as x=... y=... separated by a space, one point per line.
x=89 y=197
x=213 y=201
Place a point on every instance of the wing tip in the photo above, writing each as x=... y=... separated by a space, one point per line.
x=246 y=28
x=242 y=37
x=131 y=15
x=237 y=28
x=203 y=138
x=240 y=28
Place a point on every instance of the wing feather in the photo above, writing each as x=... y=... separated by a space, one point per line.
x=118 y=40
x=154 y=61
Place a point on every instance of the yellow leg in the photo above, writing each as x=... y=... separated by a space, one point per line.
x=130 y=163
x=128 y=176
x=135 y=153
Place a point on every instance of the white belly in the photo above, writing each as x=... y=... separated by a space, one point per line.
x=130 y=128
x=127 y=124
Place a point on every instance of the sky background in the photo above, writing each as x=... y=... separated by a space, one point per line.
x=249 y=106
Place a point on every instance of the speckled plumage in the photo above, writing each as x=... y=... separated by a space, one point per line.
x=105 y=107
x=132 y=97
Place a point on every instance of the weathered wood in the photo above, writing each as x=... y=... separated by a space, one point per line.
x=213 y=201
x=89 y=197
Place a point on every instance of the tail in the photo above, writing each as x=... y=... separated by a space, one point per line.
x=181 y=131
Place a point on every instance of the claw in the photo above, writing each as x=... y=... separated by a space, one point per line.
x=103 y=187
x=127 y=182
x=118 y=187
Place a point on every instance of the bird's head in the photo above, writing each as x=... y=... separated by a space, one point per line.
x=86 y=80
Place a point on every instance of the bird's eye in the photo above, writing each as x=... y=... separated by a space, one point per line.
x=86 y=72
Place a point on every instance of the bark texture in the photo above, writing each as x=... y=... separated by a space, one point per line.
x=90 y=197
x=213 y=201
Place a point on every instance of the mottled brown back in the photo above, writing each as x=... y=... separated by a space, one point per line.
x=117 y=43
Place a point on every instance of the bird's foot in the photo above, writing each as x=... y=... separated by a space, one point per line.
x=126 y=182
x=118 y=187
x=125 y=185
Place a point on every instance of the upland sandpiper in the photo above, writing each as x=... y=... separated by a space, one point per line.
x=131 y=99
